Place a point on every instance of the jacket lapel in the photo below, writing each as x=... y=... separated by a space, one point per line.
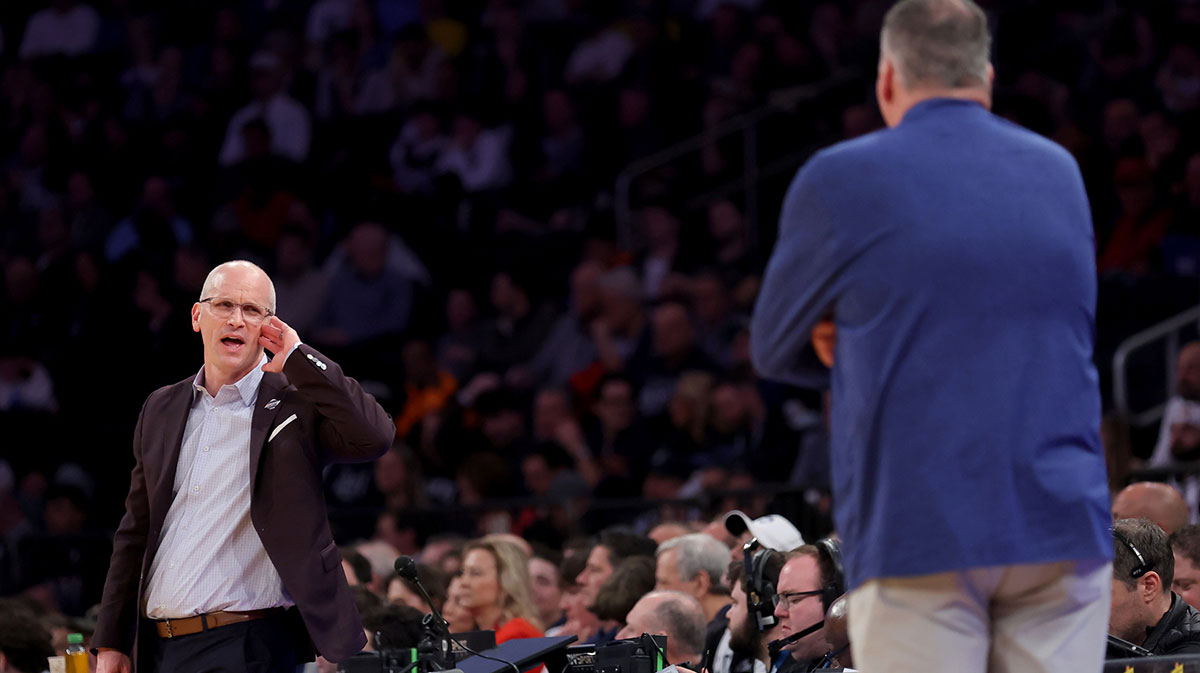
x=175 y=418
x=272 y=387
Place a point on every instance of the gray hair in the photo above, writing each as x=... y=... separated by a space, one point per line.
x=214 y=278
x=940 y=43
x=682 y=618
x=698 y=552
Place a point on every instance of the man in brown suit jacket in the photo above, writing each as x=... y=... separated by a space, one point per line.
x=224 y=559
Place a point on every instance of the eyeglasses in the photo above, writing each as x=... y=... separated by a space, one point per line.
x=251 y=313
x=794 y=598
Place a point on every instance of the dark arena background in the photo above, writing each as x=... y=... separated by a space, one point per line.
x=533 y=230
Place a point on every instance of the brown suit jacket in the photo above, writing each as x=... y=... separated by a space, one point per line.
x=335 y=422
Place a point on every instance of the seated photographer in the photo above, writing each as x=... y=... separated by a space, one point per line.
x=1144 y=610
x=673 y=614
x=495 y=590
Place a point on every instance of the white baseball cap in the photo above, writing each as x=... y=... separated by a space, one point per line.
x=773 y=531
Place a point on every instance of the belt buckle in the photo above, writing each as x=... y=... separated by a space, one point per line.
x=170 y=633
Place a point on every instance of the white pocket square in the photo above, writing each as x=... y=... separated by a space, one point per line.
x=281 y=426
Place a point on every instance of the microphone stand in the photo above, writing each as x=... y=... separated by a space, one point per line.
x=410 y=572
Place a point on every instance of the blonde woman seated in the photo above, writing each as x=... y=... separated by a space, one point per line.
x=495 y=590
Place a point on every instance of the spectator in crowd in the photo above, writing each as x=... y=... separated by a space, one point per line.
x=630 y=580
x=356 y=566
x=382 y=558
x=673 y=353
x=300 y=286
x=285 y=118
x=612 y=547
x=24 y=643
x=154 y=228
x=458 y=616
x=675 y=615
x=65 y=27
x=416 y=150
x=1185 y=547
x=367 y=298
x=1160 y=503
x=547 y=586
x=427 y=388
x=663 y=255
x=1145 y=611
x=695 y=565
x=622 y=327
x=496 y=593
x=669 y=530
x=403 y=591
x=578 y=620
x=521 y=323
x=1179 y=432
x=475 y=154
x=568 y=347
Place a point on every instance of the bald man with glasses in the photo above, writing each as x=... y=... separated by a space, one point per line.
x=224 y=559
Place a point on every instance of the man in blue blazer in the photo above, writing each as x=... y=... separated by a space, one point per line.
x=953 y=253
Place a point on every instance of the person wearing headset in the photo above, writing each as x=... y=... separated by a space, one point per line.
x=810 y=581
x=1145 y=612
x=746 y=640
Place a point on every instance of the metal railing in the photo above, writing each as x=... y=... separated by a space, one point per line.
x=1169 y=331
x=778 y=103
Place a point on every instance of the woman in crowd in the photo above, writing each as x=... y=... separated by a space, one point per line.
x=495 y=590
x=457 y=616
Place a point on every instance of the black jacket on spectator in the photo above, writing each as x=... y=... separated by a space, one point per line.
x=1178 y=632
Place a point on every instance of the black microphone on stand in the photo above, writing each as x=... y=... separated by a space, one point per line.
x=406 y=568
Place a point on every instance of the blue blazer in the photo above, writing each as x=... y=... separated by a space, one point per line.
x=955 y=253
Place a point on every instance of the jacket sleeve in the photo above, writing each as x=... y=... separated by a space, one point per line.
x=119 y=610
x=351 y=425
x=801 y=283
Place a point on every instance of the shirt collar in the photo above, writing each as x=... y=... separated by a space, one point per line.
x=930 y=106
x=247 y=386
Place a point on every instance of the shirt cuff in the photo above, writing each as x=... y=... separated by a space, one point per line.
x=289 y=353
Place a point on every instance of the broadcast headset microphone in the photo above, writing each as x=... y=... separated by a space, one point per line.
x=406 y=568
x=776 y=646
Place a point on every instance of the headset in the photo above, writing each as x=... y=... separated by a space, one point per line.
x=760 y=592
x=831 y=549
x=1143 y=566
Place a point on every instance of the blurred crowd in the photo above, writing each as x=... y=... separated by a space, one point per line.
x=431 y=186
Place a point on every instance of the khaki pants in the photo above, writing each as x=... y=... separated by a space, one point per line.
x=1028 y=618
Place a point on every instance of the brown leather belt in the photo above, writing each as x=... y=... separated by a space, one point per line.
x=186 y=626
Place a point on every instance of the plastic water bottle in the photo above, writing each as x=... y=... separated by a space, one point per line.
x=77 y=659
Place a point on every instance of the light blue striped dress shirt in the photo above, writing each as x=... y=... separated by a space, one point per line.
x=211 y=557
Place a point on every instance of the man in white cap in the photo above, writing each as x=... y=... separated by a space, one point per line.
x=772 y=531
